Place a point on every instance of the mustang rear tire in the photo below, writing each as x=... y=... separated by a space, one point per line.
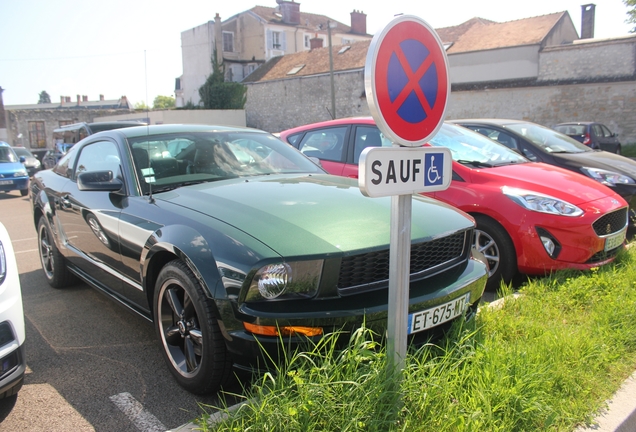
x=187 y=328
x=53 y=262
x=493 y=241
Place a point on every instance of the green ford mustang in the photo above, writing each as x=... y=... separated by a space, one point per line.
x=234 y=245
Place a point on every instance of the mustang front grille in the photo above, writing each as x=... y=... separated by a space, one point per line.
x=371 y=270
x=611 y=223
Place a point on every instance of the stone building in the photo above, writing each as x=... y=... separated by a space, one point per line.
x=536 y=69
x=32 y=125
x=248 y=39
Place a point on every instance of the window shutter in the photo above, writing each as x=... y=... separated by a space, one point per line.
x=283 y=41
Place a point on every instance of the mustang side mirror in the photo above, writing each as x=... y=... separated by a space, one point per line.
x=98 y=181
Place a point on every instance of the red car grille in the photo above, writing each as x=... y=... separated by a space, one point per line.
x=611 y=223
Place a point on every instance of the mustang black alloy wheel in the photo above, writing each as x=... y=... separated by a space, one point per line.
x=192 y=343
x=52 y=260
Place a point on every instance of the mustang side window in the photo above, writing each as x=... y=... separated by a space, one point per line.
x=99 y=156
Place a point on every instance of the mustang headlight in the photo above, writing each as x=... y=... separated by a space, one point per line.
x=609 y=178
x=541 y=203
x=280 y=281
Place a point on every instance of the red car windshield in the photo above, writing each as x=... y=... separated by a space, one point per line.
x=467 y=146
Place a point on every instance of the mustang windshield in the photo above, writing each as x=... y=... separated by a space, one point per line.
x=173 y=160
x=471 y=148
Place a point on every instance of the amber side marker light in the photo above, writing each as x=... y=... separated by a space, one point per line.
x=282 y=331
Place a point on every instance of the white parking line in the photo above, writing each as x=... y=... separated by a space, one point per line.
x=25 y=251
x=142 y=419
x=24 y=239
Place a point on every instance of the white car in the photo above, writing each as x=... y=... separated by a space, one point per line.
x=12 y=354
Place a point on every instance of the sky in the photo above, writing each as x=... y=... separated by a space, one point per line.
x=132 y=48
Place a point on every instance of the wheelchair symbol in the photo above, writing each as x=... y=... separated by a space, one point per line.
x=432 y=175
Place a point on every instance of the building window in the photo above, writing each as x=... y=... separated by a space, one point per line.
x=37 y=135
x=228 y=41
x=346 y=41
x=307 y=41
x=276 y=40
x=276 y=43
x=249 y=69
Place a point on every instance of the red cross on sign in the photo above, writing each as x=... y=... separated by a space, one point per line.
x=407 y=81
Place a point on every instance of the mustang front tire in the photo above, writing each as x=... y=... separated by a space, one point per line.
x=187 y=327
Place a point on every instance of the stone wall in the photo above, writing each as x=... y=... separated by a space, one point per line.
x=282 y=104
x=589 y=60
x=199 y=116
x=610 y=103
x=18 y=121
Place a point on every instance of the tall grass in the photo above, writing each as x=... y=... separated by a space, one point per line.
x=629 y=150
x=545 y=361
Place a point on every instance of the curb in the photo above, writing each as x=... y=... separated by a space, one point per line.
x=620 y=413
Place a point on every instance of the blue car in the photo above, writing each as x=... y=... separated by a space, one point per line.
x=13 y=173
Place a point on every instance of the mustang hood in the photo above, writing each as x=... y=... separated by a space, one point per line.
x=547 y=179
x=317 y=214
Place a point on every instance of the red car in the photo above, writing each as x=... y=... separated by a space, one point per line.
x=532 y=218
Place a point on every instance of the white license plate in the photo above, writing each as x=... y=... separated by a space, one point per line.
x=6 y=182
x=614 y=241
x=420 y=321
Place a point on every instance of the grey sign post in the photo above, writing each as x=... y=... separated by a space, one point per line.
x=407 y=87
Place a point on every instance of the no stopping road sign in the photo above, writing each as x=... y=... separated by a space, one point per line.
x=407 y=81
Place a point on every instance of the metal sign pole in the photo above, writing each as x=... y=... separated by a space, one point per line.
x=399 y=275
x=407 y=85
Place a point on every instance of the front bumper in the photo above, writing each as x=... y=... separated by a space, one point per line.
x=12 y=378
x=581 y=248
x=14 y=184
x=344 y=315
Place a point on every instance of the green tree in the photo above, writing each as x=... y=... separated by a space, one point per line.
x=631 y=13
x=163 y=102
x=44 y=97
x=218 y=94
x=141 y=105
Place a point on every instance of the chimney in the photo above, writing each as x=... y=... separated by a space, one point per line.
x=123 y=102
x=218 y=38
x=61 y=100
x=315 y=42
x=101 y=97
x=290 y=11
x=587 y=21
x=358 y=22
x=78 y=100
x=84 y=98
